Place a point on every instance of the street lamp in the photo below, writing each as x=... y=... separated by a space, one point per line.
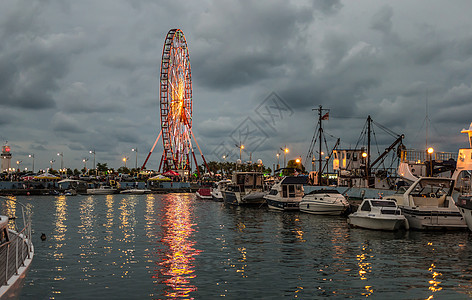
x=52 y=161
x=18 y=162
x=136 y=150
x=85 y=164
x=125 y=159
x=278 y=162
x=285 y=150
x=32 y=155
x=430 y=152
x=364 y=155
x=61 y=154
x=93 y=152
x=241 y=147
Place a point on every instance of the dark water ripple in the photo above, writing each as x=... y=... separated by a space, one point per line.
x=173 y=246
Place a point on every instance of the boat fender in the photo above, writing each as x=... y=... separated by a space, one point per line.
x=43 y=237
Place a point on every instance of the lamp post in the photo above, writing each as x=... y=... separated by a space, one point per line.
x=278 y=162
x=364 y=155
x=241 y=147
x=125 y=159
x=52 y=161
x=136 y=150
x=32 y=155
x=61 y=154
x=430 y=152
x=18 y=163
x=93 y=152
x=85 y=164
x=285 y=150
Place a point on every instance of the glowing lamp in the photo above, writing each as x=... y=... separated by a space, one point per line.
x=364 y=155
x=430 y=150
x=242 y=146
x=297 y=160
x=286 y=150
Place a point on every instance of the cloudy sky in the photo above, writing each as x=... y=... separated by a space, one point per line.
x=82 y=75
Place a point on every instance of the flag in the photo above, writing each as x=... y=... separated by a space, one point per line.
x=326 y=116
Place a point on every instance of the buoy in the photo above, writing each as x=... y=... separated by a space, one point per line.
x=43 y=237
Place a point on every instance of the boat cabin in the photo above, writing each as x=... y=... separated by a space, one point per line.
x=243 y=181
x=385 y=206
x=289 y=187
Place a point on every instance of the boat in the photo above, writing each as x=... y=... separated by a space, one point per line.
x=204 y=193
x=378 y=214
x=324 y=202
x=216 y=193
x=102 y=190
x=16 y=250
x=135 y=191
x=463 y=183
x=286 y=194
x=246 y=188
x=428 y=204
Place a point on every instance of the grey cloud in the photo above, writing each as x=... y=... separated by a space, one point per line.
x=382 y=20
x=66 y=124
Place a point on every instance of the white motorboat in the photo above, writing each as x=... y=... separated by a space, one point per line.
x=216 y=193
x=16 y=251
x=378 y=214
x=246 y=188
x=324 y=202
x=135 y=191
x=102 y=190
x=428 y=204
x=286 y=194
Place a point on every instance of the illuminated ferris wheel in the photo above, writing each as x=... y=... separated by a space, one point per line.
x=176 y=101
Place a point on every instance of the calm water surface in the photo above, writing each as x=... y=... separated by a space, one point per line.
x=173 y=246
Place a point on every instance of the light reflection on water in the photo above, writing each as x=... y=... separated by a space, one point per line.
x=177 y=257
x=174 y=247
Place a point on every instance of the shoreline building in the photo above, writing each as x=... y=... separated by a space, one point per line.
x=6 y=158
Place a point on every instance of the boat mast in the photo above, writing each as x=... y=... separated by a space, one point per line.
x=369 y=121
x=320 y=164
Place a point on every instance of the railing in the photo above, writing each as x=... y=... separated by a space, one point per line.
x=19 y=246
x=409 y=155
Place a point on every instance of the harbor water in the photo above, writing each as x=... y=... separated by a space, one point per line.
x=173 y=246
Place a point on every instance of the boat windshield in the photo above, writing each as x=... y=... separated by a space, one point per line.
x=383 y=203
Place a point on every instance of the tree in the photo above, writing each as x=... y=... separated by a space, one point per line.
x=102 y=168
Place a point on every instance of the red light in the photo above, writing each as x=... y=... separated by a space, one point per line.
x=7 y=149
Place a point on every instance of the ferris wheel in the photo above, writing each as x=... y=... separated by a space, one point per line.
x=176 y=105
x=176 y=101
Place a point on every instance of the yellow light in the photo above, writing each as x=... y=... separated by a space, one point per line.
x=124 y=158
x=430 y=150
x=286 y=150
x=297 y=160
x=364 y=155
x=242 y=146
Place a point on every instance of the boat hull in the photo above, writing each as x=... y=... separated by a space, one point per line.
x=320 y=208
x=390 y=224
x=433 y=219
x=237 y=198
x=278 y=203
x=100 y=192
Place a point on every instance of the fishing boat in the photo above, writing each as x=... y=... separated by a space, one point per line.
x=378 y=214
x=16 y=250
x=324 y=202
x=216 y=192
x=246 y=188
x=286 y=194
x=428 y=204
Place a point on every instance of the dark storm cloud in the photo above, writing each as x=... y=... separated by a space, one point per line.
x=32 y=60
x=66 y=124
x=233 y=52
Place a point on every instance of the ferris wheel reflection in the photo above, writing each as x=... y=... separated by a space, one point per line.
x=176 y=259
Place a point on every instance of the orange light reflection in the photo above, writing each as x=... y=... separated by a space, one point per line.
x=177 y=259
